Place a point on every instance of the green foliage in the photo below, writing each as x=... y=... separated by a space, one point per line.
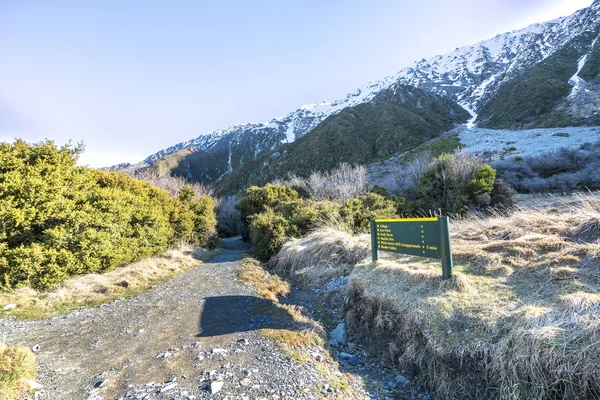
x=257 y=199
x=57 y=219
x=454 y=182
x=529 y=100
x=359 y=211
x=292 y=218
x=483 y=181
x=268 y=233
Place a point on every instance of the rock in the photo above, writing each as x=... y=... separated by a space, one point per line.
x=216 y=386
x=9 y=307
x=219 y=351
x=401 y=379
x=33 y=385
x=244 y=341
x=35 y=348
x=427 y=397
x=245 y=382
x=168 y=387
x=99 y=384
x=338 y=336
x=345 y=356
x=392 y=385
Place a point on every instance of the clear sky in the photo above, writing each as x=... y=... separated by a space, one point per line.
x=132 y=77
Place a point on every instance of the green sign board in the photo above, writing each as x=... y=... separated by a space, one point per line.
x=424 y=237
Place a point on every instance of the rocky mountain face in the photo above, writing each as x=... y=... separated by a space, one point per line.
x=397 y=119
x=478 y=77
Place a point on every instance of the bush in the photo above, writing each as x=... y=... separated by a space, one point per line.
x=268 y=233
x=57 y=219
x=17 y=367
x=454 y=182
x=257 y=199
x=358 y=212
x=172 y=184
x=343 y=183
x=563 y=171
x=293 y=218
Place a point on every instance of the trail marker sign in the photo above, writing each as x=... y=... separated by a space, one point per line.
x=424 y=237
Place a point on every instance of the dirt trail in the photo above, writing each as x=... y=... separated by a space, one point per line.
x=170 y=342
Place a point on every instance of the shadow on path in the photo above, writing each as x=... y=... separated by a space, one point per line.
x=222 y=315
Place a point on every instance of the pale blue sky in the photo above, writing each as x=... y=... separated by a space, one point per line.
x=132 y=77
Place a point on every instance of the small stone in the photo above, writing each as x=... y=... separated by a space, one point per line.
x=401 y=379
x=392 y=385
x=219 y=351
x=244 y=341
x=338 y=336
x=35 y=348
x=245 y=382
x=427 y=397
x=168 y=387
x=9 y=307
x=33 y=385
x=216 y=386
x=246 y=372
x=99 y=384
x=345 y=356
x=449 y=331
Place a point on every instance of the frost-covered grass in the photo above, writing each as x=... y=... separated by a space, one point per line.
x=495 y=144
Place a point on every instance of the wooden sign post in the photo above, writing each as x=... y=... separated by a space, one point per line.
x=424 y=237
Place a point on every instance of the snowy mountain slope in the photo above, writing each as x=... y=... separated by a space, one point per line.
x=470 y=75
x=473 y=74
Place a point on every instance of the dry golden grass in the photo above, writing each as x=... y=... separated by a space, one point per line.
x=325 y=253
x=17 y=369
x=519 y=319
x=267 y=286
x=94 y=289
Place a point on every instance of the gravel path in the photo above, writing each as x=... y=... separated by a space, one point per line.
x=183 y=339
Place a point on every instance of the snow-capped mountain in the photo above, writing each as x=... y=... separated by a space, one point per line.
x=469 y=75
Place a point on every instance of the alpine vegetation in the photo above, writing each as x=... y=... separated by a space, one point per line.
x=58 y=220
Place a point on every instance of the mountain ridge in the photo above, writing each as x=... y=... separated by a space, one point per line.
x=470 y=75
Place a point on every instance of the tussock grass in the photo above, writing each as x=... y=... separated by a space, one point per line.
x=519 y=319
x=325 y=253
x=17 y=369
x=93 y=289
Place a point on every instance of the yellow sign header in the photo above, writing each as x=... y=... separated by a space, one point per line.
x=408 y=220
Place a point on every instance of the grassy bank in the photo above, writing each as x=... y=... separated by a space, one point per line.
x=519 y=319
x=17 y=369
x=94 y=289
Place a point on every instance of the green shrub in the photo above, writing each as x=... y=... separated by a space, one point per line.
x=483 y=181
x=292 y=218
x=257 y=199
x=358 y=212
x=454 y=182
x=57 y=219
x=268 y=232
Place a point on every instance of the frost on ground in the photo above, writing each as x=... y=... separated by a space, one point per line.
x=495 y=144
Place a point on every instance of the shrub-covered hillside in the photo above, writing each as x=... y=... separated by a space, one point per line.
x=57 y=219
x=398 y=119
